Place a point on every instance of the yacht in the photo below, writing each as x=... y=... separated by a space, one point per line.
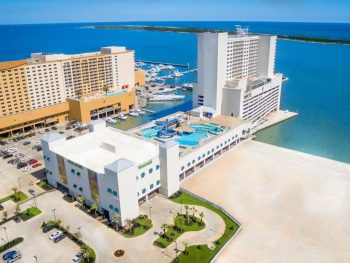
x=134 y=113
x=122 y=116
x=165 y=97
x=177 y=74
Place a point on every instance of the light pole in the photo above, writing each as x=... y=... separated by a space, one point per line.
x=4 y=241
x=34 y=200
x=19 y=184
x=150 y=212
x=54 y=214
x=36 y=259
x=81 y=237
x=175 y=249
x=7 y=237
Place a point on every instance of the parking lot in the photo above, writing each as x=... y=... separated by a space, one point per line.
x=25 y=151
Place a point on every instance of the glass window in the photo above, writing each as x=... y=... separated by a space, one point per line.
x=189 y=164
x=150 y=170
x=151 y=186
x=72 y=171
x=199 y=158
x=144 y=190
x=111 y=207
x=115 y=193
x=157 y=167
x=143 y=174
x=193 y=161
x=158 y=182
x=116 y=210
x=182 y=168
x=109 y=190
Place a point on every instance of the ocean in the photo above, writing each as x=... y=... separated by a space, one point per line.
x=318 y=87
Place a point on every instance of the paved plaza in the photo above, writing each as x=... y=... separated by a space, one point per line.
x=293 y=207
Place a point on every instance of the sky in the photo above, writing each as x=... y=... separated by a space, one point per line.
x=61 y=11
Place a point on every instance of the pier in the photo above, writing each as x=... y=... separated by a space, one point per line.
x=165 y=63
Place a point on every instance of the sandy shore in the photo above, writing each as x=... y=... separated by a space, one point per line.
x=293 y=207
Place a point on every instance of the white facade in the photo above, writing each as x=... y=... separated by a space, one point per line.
x=236 y=75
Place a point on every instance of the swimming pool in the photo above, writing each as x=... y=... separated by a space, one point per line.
x=190 y=139
x=111 y=94
x=211 y=128
x=150 y=133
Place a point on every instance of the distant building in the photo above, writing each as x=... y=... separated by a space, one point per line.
x=35 y=91
x=236 y=75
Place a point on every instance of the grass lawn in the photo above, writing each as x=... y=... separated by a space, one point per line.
x=18 y=198
x=202 y=253
x=11 y=244
x=44 y=185
x=29 y=213
x=141 y=225
x=173 y=232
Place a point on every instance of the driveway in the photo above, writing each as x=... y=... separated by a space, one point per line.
x=293 y=207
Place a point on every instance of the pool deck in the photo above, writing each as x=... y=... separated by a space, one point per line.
x=294 y=207
x=275 y=118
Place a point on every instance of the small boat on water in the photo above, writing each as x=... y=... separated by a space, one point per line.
x=111 y=121
x=165 y=97
x=122 y=116
x=134 y=113
x=177 y=74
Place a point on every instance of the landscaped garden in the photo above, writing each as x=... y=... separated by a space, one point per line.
x=44 y=185
x=16 y=197
x=202 y=253
x=29 y=213
x=182 y=223
x=11 y=244
x=136 y=227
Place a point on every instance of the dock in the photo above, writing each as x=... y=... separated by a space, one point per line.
x=165 y=63
x=149 y=111
x=275 y=118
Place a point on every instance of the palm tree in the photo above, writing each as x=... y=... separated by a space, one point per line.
x=201 y=215
x=164 y=228
x=77 y=235
x=15 y=193
x=105 y=89
x=129 y=224
x=4 y=215
x=85 y=250
x=187 y=215
x=94 y=208
x=18 y=210
x=81 y=200
x=194 y=210
x=116 y=221
x=186 y=248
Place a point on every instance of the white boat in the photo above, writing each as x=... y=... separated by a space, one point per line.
x=122 y=116
x=165 y=97
x=177 y=74
x=134 y=113
x=139 y=111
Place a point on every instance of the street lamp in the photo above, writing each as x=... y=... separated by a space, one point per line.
x=7 y=237
x=36 y=259
x=176 y=250
x=19 y=184
x=34 y=200
x=54 y=214
x=81 y=237
x=150 y=212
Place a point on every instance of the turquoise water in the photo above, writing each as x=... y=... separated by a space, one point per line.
x=116 y=93
x=150 y=133
x=206 y=128
x=191 y=139
x=318 y=87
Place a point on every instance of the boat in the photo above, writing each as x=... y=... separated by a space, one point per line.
x=122 y=116
x=134 y=113
x=177 y=74
x=165 y=97
x=111 y=121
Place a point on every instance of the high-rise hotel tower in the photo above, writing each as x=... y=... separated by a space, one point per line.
x=236 y=75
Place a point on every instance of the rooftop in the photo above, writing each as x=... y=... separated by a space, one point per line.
x=104 y=146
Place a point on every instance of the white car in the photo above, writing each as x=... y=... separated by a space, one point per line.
x=79 y=256
x=14 y=258
x=27 y=168
x=54 y=235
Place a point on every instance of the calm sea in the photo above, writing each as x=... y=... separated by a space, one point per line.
x=318 y=87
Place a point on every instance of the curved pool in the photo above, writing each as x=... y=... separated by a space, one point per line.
x=190 y=139
x=211 y=128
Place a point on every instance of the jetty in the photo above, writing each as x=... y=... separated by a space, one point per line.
x=165 y=63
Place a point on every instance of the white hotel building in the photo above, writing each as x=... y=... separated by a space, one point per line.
x=236 y=75
x=119 y=170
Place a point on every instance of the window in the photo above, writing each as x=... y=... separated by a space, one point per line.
x=111 y=207
x=115 y=193
x=189 y=164
x=109 y=190
x=199 y=158
x=203 y=155
x=144 y=190
x=193 y=161
x=151 y=186
x=116 y=210
x=182 y=168
x=78 y=173
x=157 y=167
x=80 y=188
x=75 y=186
x=150 y=170
x=143 y=174
x=72 y=171
x=158 y=182
x=137 y=178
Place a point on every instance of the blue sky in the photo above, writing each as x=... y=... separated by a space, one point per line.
x=51 y=11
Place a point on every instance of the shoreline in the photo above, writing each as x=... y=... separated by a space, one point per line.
x=202 y=30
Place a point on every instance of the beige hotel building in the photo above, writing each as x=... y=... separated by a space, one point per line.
x=52 y=88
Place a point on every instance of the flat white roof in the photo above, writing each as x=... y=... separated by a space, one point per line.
x=97 y=149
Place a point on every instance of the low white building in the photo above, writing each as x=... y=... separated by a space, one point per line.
x=118 y=170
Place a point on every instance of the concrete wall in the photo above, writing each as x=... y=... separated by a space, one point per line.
x=266 y=56
x=232 y=101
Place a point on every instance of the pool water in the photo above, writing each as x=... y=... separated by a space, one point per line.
x=150 y=133
x=190 y=139
x=211 y=128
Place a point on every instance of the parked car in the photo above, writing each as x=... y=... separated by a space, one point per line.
x=26 y=143
x=36 y=165
x=26 y=169
x=47 y=129
x=21 y=165
x=61 y=132
x=1 y=208
x=9 y=254
x=70 y=137
x=41 y=132
x=8 y=155
x=59 y=238
x=17 y=219
x=55 y=234
x=39 y=148
x=31 y=191
x=14 y=257
x=32 y=161
x=54 y=128
x=47 y=229
x=79 y=256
